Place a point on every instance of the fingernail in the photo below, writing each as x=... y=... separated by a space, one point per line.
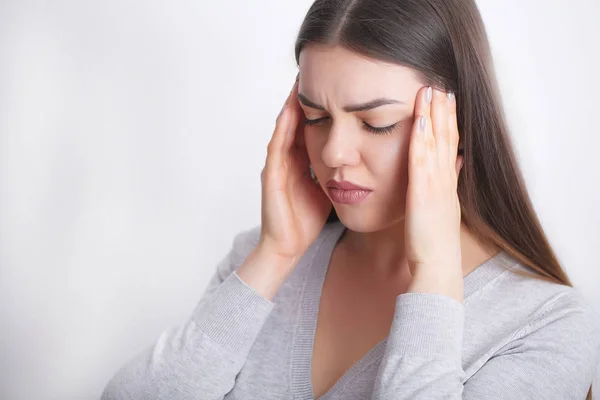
x=422 y=123
x=297 y=76
x=450 y=96
x=428 y=95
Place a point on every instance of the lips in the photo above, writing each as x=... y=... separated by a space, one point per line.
x=345 y=192
x=344 y=185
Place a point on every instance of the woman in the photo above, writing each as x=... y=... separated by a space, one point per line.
x=413 y=265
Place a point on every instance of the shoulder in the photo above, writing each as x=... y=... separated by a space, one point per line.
x=552 y=316
x=569 y=313
x=549 y=299
x=526 y=297
x=547 y=330
x=516 y=307
x=245 y=240
x=540 y=337
x=564 y=333
x=569 y=317
x=242 y=244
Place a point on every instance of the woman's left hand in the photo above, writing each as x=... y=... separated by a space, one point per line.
x=432 y=222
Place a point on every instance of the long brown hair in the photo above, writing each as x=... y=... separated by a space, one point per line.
x=446 y=43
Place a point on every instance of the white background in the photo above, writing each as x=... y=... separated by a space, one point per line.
x=132 y=136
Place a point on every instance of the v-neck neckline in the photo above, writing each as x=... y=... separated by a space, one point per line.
x=314 y=279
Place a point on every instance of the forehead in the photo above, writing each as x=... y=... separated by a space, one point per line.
x=335 y=69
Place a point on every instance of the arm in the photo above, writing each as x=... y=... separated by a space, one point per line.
x=553 y=357
x=201 y=359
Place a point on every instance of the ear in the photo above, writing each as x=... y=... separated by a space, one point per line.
x=459 y=164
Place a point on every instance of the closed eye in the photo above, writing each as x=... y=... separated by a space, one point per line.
x=386 y=130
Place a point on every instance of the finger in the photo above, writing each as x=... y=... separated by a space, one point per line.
x=299 y=141
x=299 y=134
x=439 y=118
x=278 y=138
x=278 y=141
x=294 y=108
x=421 y=139
x=453 y=133
x=287 y=100
x=423 y=115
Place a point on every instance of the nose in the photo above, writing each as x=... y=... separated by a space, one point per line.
x=341 y=148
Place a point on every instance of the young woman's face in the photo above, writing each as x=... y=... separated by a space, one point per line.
x=340 y=142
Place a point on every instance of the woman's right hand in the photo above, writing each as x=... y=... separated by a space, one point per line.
x=294 y=208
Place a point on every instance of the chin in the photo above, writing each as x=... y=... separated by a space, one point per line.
x=358 y=220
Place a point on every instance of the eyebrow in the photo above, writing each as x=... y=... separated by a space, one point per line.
x=382 y=101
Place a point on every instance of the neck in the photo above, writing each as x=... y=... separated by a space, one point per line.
x=381 y=254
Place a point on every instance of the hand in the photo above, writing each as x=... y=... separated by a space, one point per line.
x=294 y=207
x=433 y=216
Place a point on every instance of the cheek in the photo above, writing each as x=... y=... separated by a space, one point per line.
x=389 y=159
x=392 y=150
x=390 y=169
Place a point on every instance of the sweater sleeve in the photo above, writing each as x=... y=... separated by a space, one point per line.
x=555 y=356
x=201 y=358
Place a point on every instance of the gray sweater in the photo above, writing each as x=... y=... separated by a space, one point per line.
x=511 y=338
